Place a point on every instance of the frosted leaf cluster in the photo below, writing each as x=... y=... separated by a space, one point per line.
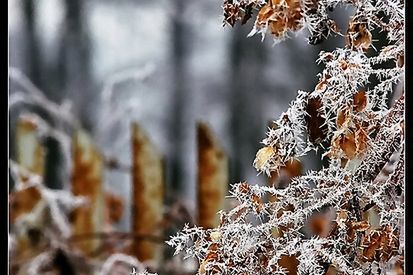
x=348 y=217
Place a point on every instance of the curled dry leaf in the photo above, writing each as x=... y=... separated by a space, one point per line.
x=380 y=243
x=361 y=140
x=290 y=263
x=342 y=117
x=320 y=225
x=343 y=64
x=263 y=156
x=215 y=236
x=257 y=203
x=331 y=270
x=372 y=244
x=353 y=141
x=22 y=202
x=244 y=188
x=211 y=257
x=240 y=10
x=231 y=12
x=315 y=120
x=353 y=227
x=341 y=217
x=265 y=14
x=201 y=269
x=293 y=167
x=360 y=101
x=280 y=16
x=322 y=85
x=347 y=143
x=361 y=225
x=400 y=61
x=358 y=35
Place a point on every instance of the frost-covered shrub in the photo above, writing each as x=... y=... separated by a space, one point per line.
x=363 y=138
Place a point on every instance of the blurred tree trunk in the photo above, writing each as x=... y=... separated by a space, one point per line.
x=33 y=57
x=179 y=45
x=72 y=69
x=35 y=71
x=69 y=77
x=248 y=58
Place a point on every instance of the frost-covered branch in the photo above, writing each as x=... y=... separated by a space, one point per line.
x=347 y=117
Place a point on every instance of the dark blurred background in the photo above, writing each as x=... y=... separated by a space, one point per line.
x=165 y=64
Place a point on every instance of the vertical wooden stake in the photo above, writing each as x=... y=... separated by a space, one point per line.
x=87 y=181
x=147 y=196
x=212 y=177
x=30 y=156
x=30 y=153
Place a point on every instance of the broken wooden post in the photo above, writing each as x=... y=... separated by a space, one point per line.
x=30 y=153
x=212 y=177
x=30 y=156
x=87 y=181
x=147 y=196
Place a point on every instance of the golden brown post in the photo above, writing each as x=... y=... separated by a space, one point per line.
x=212 y=177
x=87 y=181
x=148 y=196
x=30 y=156
x=30 y=153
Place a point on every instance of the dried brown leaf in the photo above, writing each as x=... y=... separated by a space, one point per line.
x=263 y=156
x=290 y=263
x=315 y=120
x=347 y=143
x=360 y=101
x=358 y=35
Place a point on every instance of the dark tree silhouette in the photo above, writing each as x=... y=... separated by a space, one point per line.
x=247 y=62
x=178 y=55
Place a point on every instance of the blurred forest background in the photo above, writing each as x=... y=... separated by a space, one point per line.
x=165 y=64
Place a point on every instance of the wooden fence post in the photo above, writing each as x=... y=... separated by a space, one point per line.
x=87 y=181
x=212 y=177
x=147 y=196
x=30 y=153
x=30 y=156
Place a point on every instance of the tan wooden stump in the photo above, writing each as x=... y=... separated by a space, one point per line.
x=31 y=157
x=147 y=196
x=87 y=181
x=213 y=177
x=30 y=153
